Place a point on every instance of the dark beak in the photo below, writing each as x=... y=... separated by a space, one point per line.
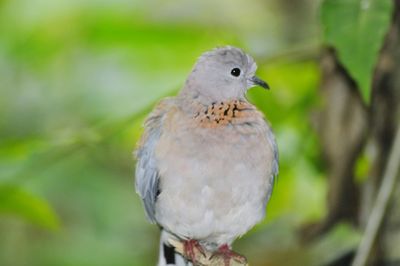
x=259 y=82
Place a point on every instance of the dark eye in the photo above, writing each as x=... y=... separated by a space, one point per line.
x=235 y=72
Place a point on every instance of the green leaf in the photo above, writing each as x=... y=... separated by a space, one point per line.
x=356 y=29
x=339 y=241
x=15 y=200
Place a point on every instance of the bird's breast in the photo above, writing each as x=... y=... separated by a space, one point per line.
x=214 y=178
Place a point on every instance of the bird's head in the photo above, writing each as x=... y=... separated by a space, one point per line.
x=222 y=74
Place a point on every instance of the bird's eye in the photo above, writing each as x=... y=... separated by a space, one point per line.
x=235 y=72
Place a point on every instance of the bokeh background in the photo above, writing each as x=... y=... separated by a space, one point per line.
x=77 y=79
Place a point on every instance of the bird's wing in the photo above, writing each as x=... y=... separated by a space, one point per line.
x=147 y=176
x=275 y=162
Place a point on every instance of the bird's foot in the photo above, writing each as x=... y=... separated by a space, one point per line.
x=190 y=248
x=228 y=255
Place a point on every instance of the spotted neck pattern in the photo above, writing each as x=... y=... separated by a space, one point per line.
x=224 y=113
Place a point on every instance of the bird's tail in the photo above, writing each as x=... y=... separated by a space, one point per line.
x=168 y=256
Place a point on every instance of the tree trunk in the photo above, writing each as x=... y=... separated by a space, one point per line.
x=384 y=121
x=342 y=129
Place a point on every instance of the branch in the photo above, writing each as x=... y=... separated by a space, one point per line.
x=206 y=260
x=381 y=203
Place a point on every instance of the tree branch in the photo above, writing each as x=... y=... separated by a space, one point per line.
x=381 y=203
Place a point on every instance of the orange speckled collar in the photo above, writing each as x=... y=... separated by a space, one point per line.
x=224 y=113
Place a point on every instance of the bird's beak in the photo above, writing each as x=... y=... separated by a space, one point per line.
x=257 y=81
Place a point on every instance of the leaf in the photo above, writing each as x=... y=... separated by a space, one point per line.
x=17 y=201
x=339 y=241
x=356 y=28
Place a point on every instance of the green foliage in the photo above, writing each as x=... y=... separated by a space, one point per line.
x=356 y=29
x=339 y=241
x=363 y=164
x=17 y=201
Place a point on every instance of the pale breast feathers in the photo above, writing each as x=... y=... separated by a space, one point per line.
x=234 y=116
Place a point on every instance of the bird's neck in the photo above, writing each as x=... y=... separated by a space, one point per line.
x=218 y=114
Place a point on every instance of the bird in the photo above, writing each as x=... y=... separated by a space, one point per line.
x=207 y=159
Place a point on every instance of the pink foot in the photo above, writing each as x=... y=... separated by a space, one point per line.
x=227 y=254
x=190 y=247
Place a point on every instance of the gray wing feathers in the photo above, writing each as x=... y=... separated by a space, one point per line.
x=275 y=163
x=147 y=177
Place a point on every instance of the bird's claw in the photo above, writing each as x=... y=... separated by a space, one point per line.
x=190 y=247
x=227 y=255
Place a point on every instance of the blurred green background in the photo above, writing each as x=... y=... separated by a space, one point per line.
x=77 y=79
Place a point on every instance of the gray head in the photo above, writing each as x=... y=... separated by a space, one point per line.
x=222 y=74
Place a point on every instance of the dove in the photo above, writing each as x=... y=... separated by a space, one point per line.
x=207 y=159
